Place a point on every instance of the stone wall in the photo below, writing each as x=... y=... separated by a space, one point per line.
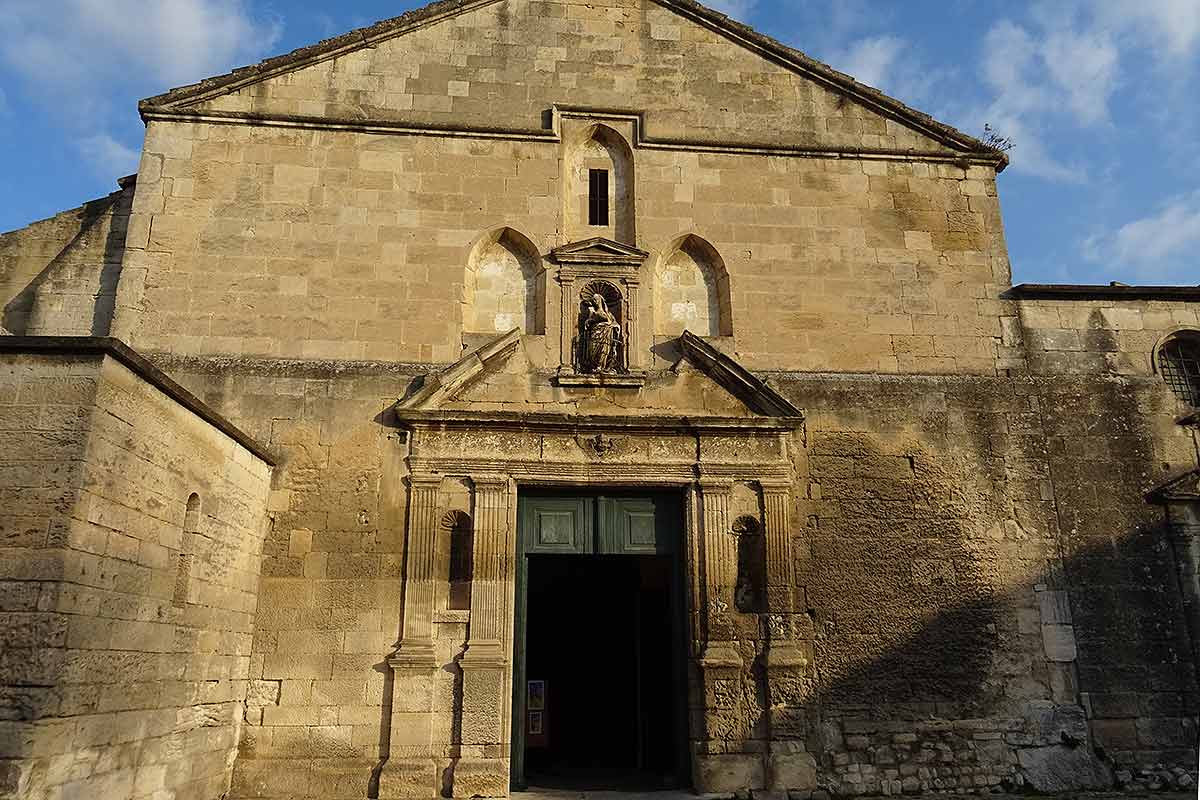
x=126 y=638
x=317 y=245
x=969 y=559
x=1096 y=336
x=59 y=276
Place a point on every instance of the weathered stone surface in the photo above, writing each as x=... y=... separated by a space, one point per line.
x=1063 y=769
x=954 y=537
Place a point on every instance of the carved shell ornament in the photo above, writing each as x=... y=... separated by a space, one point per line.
x=746 y=525
x=455 y=520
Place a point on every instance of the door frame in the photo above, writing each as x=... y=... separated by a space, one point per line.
x=599 y=530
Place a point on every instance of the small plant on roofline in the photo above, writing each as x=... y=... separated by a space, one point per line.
x=995 y=141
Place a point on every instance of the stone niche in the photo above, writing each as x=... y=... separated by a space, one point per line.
x=600 y=342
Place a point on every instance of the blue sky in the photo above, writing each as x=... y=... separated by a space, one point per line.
x=1099 y=96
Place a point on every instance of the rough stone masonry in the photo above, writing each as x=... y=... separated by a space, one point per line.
x=270 y=416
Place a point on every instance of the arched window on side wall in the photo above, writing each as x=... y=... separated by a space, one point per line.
x=187 y=547
x=1179 y=365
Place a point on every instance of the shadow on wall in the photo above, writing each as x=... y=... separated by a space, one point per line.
x=948 y=658
x=75 y=292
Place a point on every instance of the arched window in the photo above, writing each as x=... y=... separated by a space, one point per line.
x=1179 y=365
x=183 y=567
x=599 y=180
x=504 y=285
x=691 y=290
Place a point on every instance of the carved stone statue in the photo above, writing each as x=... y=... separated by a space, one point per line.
x=602 y=340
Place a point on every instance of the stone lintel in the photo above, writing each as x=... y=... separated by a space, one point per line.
x=416 y=419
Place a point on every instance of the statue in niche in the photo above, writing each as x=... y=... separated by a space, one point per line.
x=601 y=342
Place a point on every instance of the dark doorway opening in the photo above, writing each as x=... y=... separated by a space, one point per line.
x=602 y=672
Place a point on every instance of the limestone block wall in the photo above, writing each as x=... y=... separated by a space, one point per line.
x=1096 y=336
x=266 y=242
x=59 y=276
x=320 y=690
x=501 y=65
x=132 y=533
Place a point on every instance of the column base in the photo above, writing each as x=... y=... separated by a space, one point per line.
x=409 y=778
x=484 y=778
x=417 y=654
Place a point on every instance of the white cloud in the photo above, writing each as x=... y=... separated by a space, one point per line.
x=870 y=60
x=88 y=60
x=1171 y=26
x=107 y=156
x=1149 y=244
x=163 y=42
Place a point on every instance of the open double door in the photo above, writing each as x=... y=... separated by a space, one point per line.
x=599 y=685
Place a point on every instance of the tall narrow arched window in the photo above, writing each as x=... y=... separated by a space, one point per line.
x=461 y=569
x=599 y=186
x=1179 y=365
x=187 y=547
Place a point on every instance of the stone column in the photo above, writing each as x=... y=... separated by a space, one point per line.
x=568 y=308
x=719 y=765
x=631 y=324
x=788 y=660
x=420 y=576
x=411 y=770
x=483 y=769
x=720 y=563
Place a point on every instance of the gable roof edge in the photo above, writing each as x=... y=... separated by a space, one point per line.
x=441 y=9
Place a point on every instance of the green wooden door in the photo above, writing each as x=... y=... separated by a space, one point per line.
x=573 y=525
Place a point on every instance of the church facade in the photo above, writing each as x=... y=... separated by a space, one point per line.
x=527 y=393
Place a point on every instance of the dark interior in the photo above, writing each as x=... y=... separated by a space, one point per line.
x=600 y=635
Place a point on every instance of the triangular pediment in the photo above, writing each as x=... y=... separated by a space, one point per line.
x=436 y=68
x=1183 y=488
x=599 y=250
x=704 y=384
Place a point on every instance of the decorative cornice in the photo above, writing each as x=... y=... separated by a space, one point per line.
x=1066 y=291
x=121 y=352
x=1183 y=488
x=437 y=387
x=576 y=423
x=736 y=379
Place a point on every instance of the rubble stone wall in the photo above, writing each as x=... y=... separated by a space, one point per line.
x=127 y=619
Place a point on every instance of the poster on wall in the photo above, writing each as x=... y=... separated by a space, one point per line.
x=535 y=723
